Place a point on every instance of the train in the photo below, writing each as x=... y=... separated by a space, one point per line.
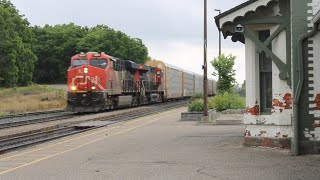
x=98 y=81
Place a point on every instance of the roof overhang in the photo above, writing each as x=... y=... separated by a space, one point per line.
x=240 y=10
x=227 y=21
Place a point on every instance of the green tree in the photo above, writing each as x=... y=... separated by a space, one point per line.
x=225 y=72
x=243 y=89
x=115 y=43
x=16 y=44
x=55 y=45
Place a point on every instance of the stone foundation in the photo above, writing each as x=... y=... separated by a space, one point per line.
x=230 y=119
x=267 y=142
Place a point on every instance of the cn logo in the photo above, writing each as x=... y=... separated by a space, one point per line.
x=82 y=80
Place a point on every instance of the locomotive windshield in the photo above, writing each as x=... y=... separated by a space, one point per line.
x=79 y=62
x=99 y=63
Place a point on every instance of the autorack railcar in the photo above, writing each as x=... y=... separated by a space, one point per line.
x=181 y=83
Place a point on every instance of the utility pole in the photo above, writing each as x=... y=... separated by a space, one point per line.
x=219 y=10
x=205 y=76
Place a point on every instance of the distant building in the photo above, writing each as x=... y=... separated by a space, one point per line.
x=282 y=71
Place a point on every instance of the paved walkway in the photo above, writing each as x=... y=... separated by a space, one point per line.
x=156 y=147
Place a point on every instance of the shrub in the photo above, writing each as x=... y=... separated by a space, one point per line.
x=196 y=105
x=227 y=101
x=195 y=97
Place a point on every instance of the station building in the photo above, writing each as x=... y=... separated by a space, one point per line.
x=282 y=47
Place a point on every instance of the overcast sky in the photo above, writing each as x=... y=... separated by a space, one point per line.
x=171 y=29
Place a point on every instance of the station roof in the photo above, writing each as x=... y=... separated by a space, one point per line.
x=230 y=11
x=239 y=11
x=227 y=21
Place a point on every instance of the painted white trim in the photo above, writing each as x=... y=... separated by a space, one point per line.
x=314 y=112
x=316 y=18
x=252 y=73
x=243 y=11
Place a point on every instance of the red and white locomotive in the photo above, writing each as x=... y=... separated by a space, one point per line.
x=98 y=81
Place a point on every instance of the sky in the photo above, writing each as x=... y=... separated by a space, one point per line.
x=172 y=30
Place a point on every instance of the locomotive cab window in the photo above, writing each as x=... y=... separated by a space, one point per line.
x=78 y=62
x=99 y=63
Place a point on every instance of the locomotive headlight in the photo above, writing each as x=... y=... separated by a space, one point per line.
x=85 y=70
x=93 y=87
x=73 y=88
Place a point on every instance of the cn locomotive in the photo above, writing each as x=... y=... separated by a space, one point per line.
x=97 y=81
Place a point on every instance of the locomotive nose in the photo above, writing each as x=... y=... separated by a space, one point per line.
x=83 y=81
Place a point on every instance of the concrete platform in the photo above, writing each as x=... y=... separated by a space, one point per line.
x=156 y=147
x=229 y=119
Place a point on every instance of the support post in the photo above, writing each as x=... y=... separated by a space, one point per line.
x=284 y=74
x=219 y=10
x=205 y=76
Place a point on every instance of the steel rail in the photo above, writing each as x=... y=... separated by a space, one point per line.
x=38 y=118
x=30 y=114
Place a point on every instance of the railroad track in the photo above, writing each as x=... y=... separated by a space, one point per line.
x=33 y=118
x=27 y=139
x=33 y=138
x=40 y=117
x=30 y=114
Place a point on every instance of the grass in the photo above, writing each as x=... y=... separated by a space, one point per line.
x=30 y=99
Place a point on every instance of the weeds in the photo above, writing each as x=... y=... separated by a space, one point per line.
x=227 y=101
x=31 y=98
x=220 y=102
x=196 y=105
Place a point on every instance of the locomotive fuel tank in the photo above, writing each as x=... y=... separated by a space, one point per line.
x=124 y=101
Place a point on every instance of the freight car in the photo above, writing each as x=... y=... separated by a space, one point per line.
x=98 y=81
x=181 y=83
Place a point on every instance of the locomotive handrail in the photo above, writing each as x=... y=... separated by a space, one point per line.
x=143 y=89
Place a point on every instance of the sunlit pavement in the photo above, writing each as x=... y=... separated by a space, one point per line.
x=157 y=147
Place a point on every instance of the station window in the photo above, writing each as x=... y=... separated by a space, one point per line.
x=265 y=70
